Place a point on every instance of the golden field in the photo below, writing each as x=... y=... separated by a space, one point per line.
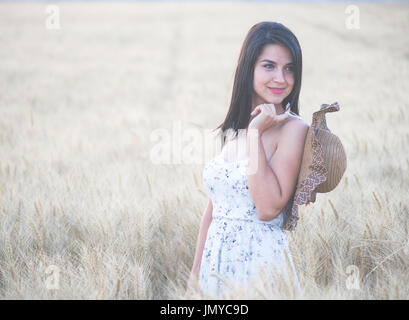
x=82 y=201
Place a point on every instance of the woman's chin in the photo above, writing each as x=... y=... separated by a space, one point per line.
x=274 y=101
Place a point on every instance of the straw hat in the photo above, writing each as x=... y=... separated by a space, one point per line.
x=323 y=165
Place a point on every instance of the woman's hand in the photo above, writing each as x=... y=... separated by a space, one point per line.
x=266 y=117
x=192 y=283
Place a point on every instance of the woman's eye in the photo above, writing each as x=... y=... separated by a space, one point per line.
x=291 y=69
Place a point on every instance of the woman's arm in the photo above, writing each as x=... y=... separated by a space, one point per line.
x=272 y=183
x=204 y=226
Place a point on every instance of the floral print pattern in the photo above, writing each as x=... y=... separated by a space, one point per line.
x=237 y=241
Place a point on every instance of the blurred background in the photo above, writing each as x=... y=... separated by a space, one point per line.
x=85 y=211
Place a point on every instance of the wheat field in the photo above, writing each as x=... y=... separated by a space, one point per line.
x=86 y=214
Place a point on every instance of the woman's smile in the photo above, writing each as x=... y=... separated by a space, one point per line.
x=276 y=90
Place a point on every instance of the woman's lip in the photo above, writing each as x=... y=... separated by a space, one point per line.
x=276 y=90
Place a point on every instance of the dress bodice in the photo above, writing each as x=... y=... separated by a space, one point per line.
x=227 y=185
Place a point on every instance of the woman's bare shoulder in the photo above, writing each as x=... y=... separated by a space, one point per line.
x=294 y=126
x=294 y=122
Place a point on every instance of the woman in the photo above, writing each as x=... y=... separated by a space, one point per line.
x=254 y=177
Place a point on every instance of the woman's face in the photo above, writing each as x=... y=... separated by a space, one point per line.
x=273 y=69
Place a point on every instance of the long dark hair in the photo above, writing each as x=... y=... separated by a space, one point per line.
x=262 y=33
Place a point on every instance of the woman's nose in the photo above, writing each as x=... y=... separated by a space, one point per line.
x=279 y=76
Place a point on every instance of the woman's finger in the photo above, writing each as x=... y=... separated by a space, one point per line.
x=282 y=117
x=256 y=110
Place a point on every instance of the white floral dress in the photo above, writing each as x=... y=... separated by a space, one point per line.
x=237 y=241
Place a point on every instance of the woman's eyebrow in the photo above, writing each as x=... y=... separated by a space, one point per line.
x=271 y=61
